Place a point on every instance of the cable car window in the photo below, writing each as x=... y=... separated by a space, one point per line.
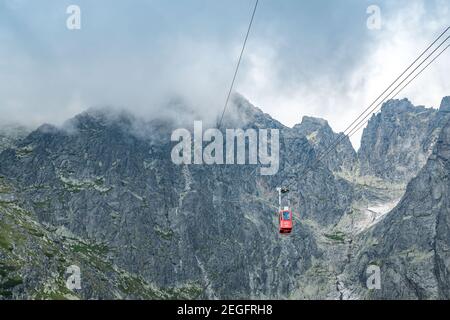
x=286 y=215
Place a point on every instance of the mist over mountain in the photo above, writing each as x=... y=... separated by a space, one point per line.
x=102 y=192
x=11 y=134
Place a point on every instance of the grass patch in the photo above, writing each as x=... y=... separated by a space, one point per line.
x=7 y=269
x=10 y=283
x=6 y=294
x=99 y=249
x=337 y=236
x=59 y=293
x=5 y=236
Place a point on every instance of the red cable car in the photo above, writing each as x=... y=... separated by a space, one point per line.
x=285 y=221
x=285 y=214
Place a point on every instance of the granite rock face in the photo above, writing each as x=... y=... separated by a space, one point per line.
x=445 y=105
x=214 y=226
x=36 y=260
x=398 y=140
x=321 y=136
x=102 y=192
x=411 y=245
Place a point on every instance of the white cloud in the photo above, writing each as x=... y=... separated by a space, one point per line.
x=340 y=98
x=278 y=74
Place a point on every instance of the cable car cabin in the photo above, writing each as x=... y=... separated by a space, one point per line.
x=285 y=221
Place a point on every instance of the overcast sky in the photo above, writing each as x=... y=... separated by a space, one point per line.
x=314 y=58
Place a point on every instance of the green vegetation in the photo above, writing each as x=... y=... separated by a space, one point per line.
x=10 y=283
x=188 y=291
x=6 y=268
x=164 y=234
x=337 y=236
x=4 y=189
x=6 y=236
x=4 y=243
x=60 y=292
x=53 y=295
x=74 y=185
x=25 y=245
x=88 y=249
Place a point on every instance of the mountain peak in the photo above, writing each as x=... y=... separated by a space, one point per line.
x=314 y=121
x=312 y=124
x=242 y=103
x=47 y=128
x=321 y=136
x=242 y=112
x=445 y=104
x=397 y=105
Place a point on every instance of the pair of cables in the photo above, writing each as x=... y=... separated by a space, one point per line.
x=414 y=70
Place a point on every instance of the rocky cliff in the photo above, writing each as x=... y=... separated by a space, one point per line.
x=398 y=140
x=102 y=192
x=175 y=225
x=411 y=244
x=320 y=135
